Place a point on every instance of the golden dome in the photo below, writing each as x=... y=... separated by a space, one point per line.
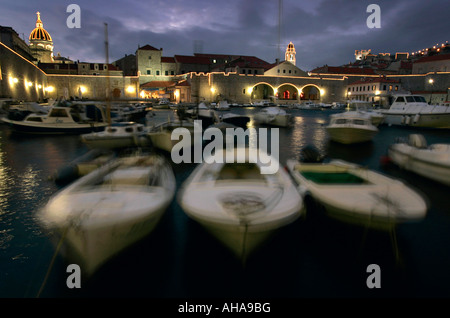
x=39 y=33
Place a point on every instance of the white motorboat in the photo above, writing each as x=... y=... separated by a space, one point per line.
x=237 y=203
x=109 y=209
x=413 y=111
x=273 y=116
x=161 y=134
x=351 y=127
x=357 y=195
x=429 y=161
x=118 y=135
x=235 y=119
x=77 y=118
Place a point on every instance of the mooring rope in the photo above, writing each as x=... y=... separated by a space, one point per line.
x=58 y=247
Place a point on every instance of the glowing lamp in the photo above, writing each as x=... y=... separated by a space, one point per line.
x=130 y=89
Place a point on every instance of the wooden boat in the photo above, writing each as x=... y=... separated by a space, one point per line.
x=237 y=203
x=351 y=127
x=432 y=161
x=356 y=195
x=109 y=209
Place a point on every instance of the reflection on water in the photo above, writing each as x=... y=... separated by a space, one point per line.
x=317 y=258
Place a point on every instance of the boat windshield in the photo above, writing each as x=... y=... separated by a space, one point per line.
x=410 y=99
x=419 y=99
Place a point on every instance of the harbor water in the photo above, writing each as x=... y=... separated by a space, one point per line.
x=314 y=257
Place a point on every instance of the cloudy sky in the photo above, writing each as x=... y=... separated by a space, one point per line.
x=323 y=31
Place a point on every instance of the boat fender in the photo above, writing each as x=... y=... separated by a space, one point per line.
x=408 y=120
x=416 y=118
x=403 y=120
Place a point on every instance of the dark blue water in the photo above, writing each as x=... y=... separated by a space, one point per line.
x=315 y=257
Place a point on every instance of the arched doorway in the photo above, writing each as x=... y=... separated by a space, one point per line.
x=287 y=92
x=310 y=92
x=262 y=91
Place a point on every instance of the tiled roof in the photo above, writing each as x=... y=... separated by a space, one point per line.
x=186 y=59
x=166 y=59
x=148 y=47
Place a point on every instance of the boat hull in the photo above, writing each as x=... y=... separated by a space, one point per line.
x=359 y=196
x=431 y=120
x=113 y=142
x=240 y=235
x=422 y=162
x=22 y=127
x=91 y=248
x=111 y=208
x=350 y=135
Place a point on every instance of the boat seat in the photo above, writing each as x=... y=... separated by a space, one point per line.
x=130 y=175
x=247 y=171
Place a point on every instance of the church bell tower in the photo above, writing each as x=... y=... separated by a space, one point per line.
x=290 y=53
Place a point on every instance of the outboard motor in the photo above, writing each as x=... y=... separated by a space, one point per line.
x=310 y=154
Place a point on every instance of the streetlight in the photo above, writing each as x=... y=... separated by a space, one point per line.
x=431 y=81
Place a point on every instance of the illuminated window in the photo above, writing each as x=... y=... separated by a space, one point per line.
x=390 y=87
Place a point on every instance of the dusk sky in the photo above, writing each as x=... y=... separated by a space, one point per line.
x=323 y=31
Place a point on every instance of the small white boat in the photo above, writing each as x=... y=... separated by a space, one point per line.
x=109 y=209
x=161 y=134
x=118 y=135
x=357 y=195
x=238 y=204
x=414 y=111
x=223 y=105
x=429 y=161
x=273 y=116
x=307 y=105
x=77 y=118
x=235 y=119
x=351 y=127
